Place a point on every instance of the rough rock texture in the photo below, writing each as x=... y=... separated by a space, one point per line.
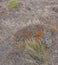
x=12 y=20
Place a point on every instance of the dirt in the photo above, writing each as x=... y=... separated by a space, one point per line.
x=44 y=12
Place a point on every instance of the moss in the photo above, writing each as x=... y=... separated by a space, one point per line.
x=12 y=4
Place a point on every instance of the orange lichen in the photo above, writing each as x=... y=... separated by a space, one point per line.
x=26 y=34
x=39 y=34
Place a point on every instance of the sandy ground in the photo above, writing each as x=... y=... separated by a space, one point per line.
x=30 y=11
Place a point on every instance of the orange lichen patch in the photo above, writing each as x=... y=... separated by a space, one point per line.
x=39 y=34
x=26 y=34
x=29 y=32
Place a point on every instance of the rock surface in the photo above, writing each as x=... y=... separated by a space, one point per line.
x=44 y=12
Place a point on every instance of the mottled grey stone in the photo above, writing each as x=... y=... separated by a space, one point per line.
x=15 y=19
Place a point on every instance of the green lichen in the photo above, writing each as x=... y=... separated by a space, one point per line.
x=37 y=51
x=12 y=4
